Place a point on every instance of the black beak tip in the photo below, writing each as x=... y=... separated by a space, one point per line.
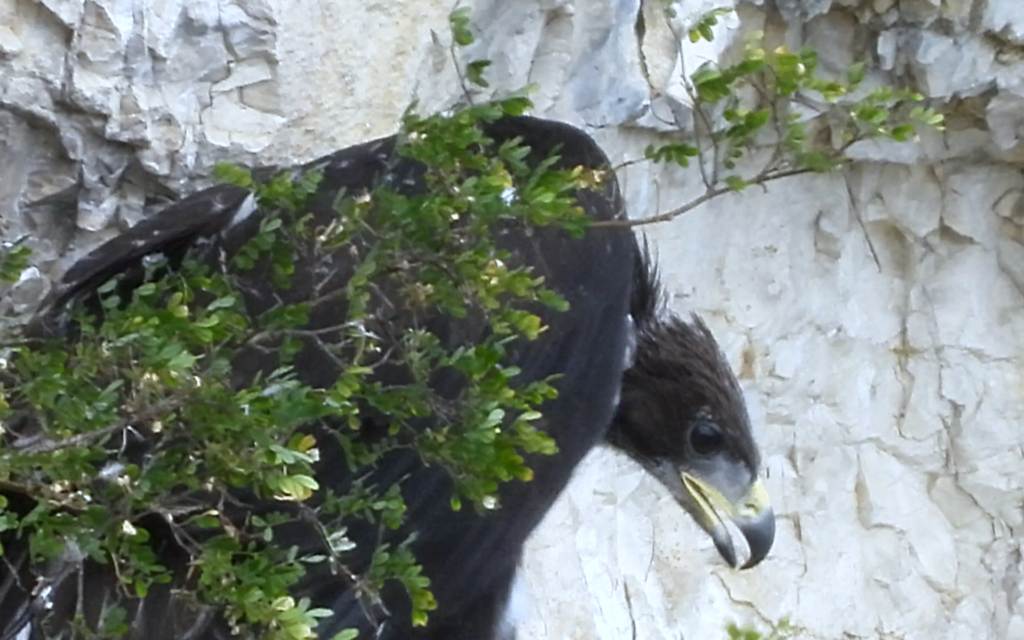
x=760 y=535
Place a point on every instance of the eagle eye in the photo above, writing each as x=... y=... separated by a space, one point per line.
x=705 y=438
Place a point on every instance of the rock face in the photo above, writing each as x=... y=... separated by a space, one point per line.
x=876 y=316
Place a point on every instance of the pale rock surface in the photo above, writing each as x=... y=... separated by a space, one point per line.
x=876 y=317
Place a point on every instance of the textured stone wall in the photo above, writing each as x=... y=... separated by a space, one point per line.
x=875 y=316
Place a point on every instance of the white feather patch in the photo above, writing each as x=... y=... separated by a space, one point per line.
x=244 y=210
x=517 y=607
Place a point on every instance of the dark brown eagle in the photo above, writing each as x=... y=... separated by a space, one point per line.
x=648 y=382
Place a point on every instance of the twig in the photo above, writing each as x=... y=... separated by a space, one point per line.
x=860 y=221
x=455 y=62
x=272 y=334
x=629 y=163
x=629 y=607
x=82 y=439
x=21 y=342
x=708 y=195
x=698 y=108
x=362 y=585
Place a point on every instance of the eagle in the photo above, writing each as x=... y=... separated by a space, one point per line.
x=631 y=374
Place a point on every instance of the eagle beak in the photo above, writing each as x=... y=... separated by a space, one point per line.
x=752 y=515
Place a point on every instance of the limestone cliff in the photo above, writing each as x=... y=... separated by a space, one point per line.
x=876 y=316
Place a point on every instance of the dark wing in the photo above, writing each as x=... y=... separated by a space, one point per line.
x=469 y=557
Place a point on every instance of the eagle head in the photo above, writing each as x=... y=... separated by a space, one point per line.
x=682 y=416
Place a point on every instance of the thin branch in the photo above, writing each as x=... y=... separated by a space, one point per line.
x=860 y=221
x=21 y=342
x=629 y=163
x=780 y=134
x=362 y=585
x=170 y=403
x=272 y=334
x=629 y=607
x=463 y=84
x=708 y=195
x=698 y=108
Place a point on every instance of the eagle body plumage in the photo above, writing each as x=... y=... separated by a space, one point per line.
x=613 y=327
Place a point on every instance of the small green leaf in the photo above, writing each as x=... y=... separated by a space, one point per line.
x=903 y=132
x=459 y=23
x=736 y=183
x=855 y=74
x=231 y=174
x=475 y=72
x=14 y=262
x=225 y=302
x=107 y=286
